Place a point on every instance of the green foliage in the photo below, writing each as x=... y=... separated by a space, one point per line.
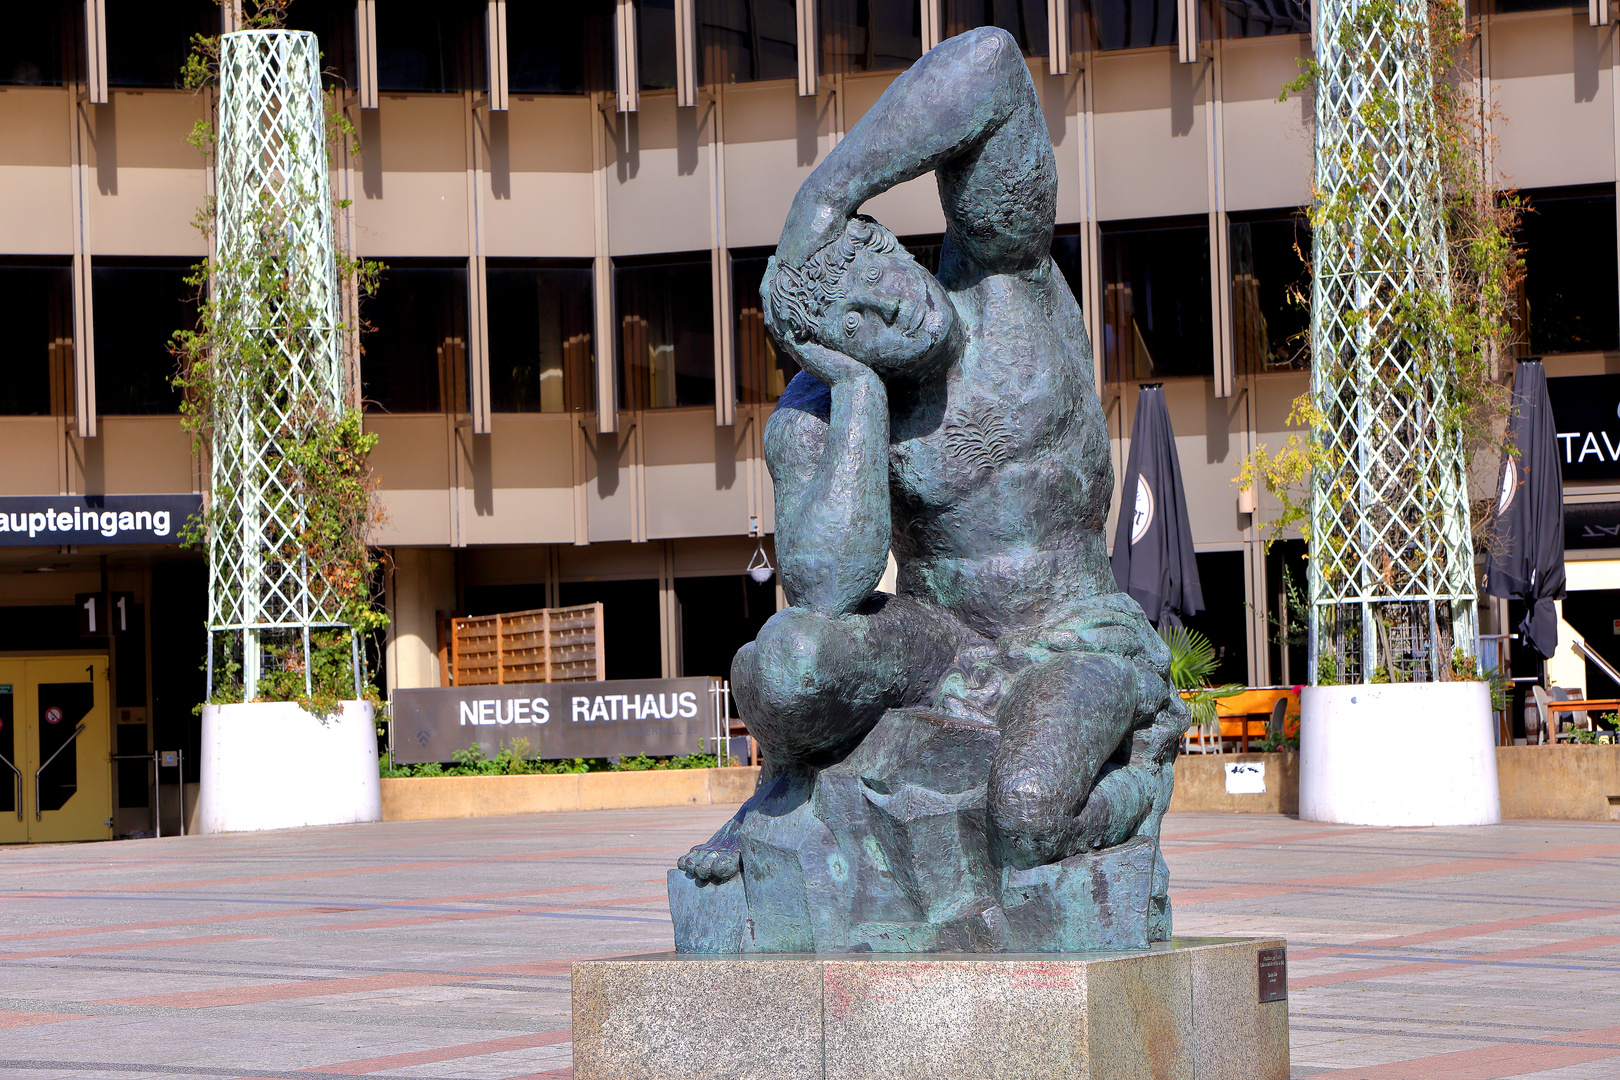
x=1460 y=325
x=513 y=759
x=1192 y=662
x=1327 y=670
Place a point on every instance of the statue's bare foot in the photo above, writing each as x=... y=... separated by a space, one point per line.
x=717 y=859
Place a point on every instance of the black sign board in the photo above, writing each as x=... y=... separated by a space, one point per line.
x=84 y=520
x=1591 y=525
x=1587 y=411
x=1273 y=974
x=656 y=717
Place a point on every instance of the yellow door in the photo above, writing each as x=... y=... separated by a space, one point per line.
x=13 y=744
x=67 y=781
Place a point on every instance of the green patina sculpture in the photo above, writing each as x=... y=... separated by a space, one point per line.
x=980 y=761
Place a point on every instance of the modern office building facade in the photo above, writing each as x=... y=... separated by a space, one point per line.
x=566 y=364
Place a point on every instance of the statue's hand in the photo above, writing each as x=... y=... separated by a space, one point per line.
x=827 y=365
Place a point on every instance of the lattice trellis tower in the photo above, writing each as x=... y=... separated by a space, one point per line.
x=275 y=287
x=1391 y=567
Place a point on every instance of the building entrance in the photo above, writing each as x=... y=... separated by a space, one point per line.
x=55 y=736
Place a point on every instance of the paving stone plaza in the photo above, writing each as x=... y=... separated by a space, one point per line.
x=442 y=949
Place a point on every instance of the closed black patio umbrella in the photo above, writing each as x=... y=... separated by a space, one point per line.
x=1153 y=547
x=1527 y=540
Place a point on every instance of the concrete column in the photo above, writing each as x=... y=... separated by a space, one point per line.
x=421 y=585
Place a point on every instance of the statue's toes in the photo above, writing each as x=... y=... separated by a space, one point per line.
x=724 y=866
x=687 y=862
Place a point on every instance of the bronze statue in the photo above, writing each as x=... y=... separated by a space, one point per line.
x=980 y=761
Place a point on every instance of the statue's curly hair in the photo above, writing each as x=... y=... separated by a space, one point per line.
x=795 y=300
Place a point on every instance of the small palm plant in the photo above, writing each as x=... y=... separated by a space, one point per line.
x=1192 y=661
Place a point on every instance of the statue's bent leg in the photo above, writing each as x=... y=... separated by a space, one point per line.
x=1061 y=722
x=811 y=686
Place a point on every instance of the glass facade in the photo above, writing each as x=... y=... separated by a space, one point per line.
x=147 y=43
x=763 y=370
x=32 y=50
x=747 y=40
x=1270 y=257
x=1156 y=299
x=1571 y=303
x=666 y=340
x=655 y=43
x=868 y=35
x=1124 y=24
x=414 y=350
x=434 y=46
x=561 y=49
x=36 y=308
x=139 y=304
x=1025 y=20
x=540 y=337
x=1261 y=18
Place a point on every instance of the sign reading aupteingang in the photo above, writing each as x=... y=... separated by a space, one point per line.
x=85 y=520
x=623 y=718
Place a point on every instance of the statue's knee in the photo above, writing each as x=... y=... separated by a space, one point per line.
x=1031 y=817
x=792 y=659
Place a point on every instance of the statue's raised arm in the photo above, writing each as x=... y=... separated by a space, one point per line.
x=967 y=111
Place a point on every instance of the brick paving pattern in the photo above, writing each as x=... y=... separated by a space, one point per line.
x=442 y=949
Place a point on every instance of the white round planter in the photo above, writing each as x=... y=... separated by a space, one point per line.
x=271 y=765
x=1398 y=754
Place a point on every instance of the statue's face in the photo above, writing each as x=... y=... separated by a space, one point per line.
x=893 y=316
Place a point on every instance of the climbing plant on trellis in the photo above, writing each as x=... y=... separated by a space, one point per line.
x=290 y=493
x=1413 y=280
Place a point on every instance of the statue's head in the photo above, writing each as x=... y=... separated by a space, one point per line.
x=862 y=295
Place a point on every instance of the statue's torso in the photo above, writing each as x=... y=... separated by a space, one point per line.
x=1000 y=468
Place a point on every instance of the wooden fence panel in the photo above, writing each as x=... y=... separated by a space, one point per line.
x=542 y=645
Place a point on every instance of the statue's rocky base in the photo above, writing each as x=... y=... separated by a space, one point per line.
x=1189 y=1008
x=887 y=851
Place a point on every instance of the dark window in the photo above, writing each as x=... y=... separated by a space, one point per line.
x=763 y=370
x=1066 y=255
x=1220 y=576
x=1287 y=613
x=32 y=48
x=1156 y=299
x=1503 y=7
x=1025 y=20
x=925 y=248
x=179 y=606
x=1126 y=24
x=1260 y=18
x=36 y=308
x=147 y=43
x=430 y=45
x=1271 y=293
x=415 y=347
x=333 y=22
x=747 y=40
x=666 y=340
x=719 y=615
x=631 y=645
x=655 y=43
x=139 y=304
x=561 y=49
x=540 y=337
x=1569 y=270
x=868 y=35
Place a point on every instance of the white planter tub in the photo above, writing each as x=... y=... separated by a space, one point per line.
x=271 y=765
x=1398 y=754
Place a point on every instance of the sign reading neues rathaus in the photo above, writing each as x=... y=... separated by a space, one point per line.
x=656 y=717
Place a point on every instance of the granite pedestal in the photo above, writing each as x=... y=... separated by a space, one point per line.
x=1187 y=1009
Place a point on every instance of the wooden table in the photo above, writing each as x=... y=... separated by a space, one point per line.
x=1584 y=705
x=1247 y=715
